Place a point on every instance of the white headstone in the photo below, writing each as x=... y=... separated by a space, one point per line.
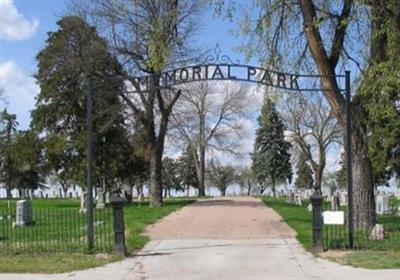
x=343 y=198
x=382 y=204
x=100 y=200
x=83 y=202
x=298 y=200
x=24 y=213
x=377 y=232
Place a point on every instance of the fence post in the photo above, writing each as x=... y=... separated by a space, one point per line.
x=316 y=202
x=117 y=204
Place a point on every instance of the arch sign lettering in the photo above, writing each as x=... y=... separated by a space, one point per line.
x=219 y=67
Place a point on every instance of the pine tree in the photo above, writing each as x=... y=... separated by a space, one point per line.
x=304 y=178
x=271 y=158
x=188 y=172
x=8 y=131
x=71 y=54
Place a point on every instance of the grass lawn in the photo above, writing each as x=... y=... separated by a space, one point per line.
x=299 y=219
x=366 y=259
x=136 y=219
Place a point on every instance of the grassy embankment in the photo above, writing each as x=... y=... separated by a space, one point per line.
x=299 y=219
x=136 y=219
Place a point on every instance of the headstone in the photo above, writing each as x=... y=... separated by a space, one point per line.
x=100 y=200
x=382 y=204
x=291 y=197
x=83 y=202
x=298 y=200
x=335 y=203
x=343 y=198
x=377 y=232
x=24 y=215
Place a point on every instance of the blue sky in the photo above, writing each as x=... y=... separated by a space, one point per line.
x=24 y=26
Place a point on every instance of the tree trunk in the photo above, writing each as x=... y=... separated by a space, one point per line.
x=273 y=187
x=318 y=176
x=8 y=192
x=364 y=214
x=363 y=182
x=202 y=171
x=249 y=186
x=155 y=182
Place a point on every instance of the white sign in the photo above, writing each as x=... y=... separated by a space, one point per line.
x=333 y=217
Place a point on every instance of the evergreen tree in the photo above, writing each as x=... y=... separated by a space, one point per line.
x=72 y=54
x=304 y=178
x=27 y=154
x=8 y=131
x=171 y=176
x=271 y=158
x=188 y=171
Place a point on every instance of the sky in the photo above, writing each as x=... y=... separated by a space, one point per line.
x=24 y=25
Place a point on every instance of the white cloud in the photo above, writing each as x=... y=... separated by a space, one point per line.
x=20 y=90
x=13 y=25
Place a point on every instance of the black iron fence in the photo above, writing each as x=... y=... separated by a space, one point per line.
x=55 y=230
x=385 y=235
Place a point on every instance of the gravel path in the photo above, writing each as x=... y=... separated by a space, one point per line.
x=239 y=218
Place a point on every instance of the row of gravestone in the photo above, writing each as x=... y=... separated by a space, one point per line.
x=103 y=199
x=338 y=199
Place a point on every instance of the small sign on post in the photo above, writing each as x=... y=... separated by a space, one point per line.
x=333 y=217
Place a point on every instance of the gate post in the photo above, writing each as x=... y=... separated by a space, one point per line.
x=117 y=204
x=317 y=223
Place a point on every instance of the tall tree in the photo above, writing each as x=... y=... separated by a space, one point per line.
x=380 y=90
x=322 y=37
x=246 y=180
x=207 y=118
x=171 y=176
x=313 y=129
x=221 y=176
x=148 y=36
x=71 y=55
x=271 y=158
x=188 y=171
x=27 y=154
x=304 y=178
x=8 y=131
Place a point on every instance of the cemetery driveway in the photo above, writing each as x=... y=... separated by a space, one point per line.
x=231 y=238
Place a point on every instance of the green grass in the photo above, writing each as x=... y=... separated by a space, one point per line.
x=52 y=263
x=297 y=217
x=369 y=259
x=136 y=219
x=59 y=227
